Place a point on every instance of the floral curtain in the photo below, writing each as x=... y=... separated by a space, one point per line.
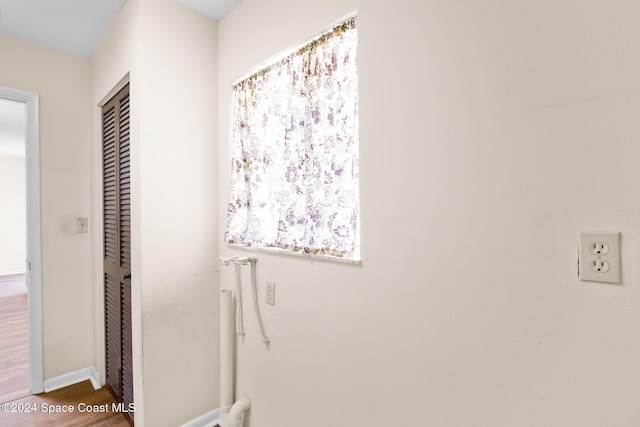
x=294 y=172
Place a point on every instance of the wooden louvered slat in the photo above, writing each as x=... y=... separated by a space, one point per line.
x=125 y=185
x=113 y=353
x=127 y=345
x=124 y=181
x=109 y=178
x=113 y=332
x=117 y=238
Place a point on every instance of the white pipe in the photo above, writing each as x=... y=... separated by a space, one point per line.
x=231 y=412
x=263 y=336
x=235 y=416
x=226 y=351
x=239 y=323
x=237 y=259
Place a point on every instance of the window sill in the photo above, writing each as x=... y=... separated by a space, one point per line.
x=354 y=259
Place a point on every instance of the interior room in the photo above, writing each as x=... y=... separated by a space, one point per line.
x=14 y=348
x=491 y=135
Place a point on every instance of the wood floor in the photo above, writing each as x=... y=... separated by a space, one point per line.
x=90 y=408
x=19 y=408
x=14 y=342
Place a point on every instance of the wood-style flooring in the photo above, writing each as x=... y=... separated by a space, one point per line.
x=14 y=341
x=19 y=408
x=47 y=409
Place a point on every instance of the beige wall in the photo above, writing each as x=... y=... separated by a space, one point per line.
x=62 y=81
x=466 y=309
x=13 y=215
x=170 y=53
x=491 y=134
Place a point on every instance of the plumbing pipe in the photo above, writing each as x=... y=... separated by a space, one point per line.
x=237 y=259
x=263 y=336
x=235 y=415
x=226 y=351
x=231 y=412
x=239 y=323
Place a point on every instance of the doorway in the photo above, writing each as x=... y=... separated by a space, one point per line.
x=32 y=269
x=14 y=341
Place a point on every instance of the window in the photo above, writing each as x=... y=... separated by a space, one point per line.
x=294 y=174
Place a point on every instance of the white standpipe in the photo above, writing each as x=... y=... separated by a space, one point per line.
x=226 y=351
x=239 y=323
x=231 y=412
x=235 y=415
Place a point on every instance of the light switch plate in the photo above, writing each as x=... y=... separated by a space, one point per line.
x=270 y=293
x=599 y=257
x=82 y=225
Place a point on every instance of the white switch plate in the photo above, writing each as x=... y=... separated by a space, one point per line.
x=270 y=293
x=82 y=225
x=599 y=257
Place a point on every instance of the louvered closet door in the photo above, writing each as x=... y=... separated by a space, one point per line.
x=117 y=247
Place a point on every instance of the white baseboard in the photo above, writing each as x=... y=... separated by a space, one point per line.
x=207 y=420
x=12 y=272
x=71 y=378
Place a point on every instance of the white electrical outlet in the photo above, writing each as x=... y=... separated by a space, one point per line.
x=270 y=293
x=599 y=254
x=600 y=266
x=598 y=248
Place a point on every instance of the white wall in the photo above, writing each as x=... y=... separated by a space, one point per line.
x=62 y=81
x=170 y=52
x=491 y=133
x=178 y=179
x=13 y=215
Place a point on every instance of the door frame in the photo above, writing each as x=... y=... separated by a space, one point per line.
x=34 y=233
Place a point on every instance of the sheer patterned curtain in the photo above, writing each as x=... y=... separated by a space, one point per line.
x=294 y=172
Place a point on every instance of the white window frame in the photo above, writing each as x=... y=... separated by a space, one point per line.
x=351 y=256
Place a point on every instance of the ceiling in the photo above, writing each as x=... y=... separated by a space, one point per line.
x=71 y=26
x=214 y=9
x=77 y=26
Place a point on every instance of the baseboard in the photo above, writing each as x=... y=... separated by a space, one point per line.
x=207 y=420
x=12 y=272
x=71 y=378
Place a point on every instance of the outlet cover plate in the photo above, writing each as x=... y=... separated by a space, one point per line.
x=591 y=261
